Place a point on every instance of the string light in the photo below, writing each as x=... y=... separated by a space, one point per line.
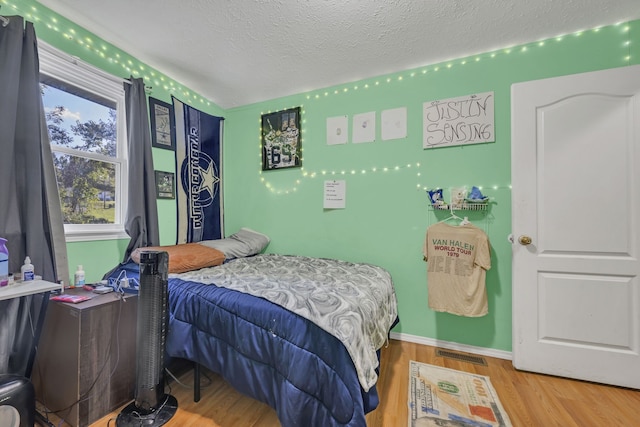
x=109 y=55
x=305 y=174
x=325 y=172
x=422 y=187
x=353 y=172
x=73 y=34
x=523 y=49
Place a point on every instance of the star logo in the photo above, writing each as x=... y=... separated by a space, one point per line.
x=209 y=180
x=203 y=182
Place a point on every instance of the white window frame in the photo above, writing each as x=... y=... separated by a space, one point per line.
x=68 y=69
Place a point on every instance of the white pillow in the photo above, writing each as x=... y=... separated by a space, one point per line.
x=245 y=242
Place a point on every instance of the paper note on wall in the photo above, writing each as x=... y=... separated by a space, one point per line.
x=364 y=127
x=459 y=121
x=394 y=124
x=335 y=193
x=337 y=130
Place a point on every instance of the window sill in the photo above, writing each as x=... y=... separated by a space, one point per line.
x=107 y=233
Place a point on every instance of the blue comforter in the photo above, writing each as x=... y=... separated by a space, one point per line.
x=268 y=353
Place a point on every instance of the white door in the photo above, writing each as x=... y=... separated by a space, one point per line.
x=576 y=195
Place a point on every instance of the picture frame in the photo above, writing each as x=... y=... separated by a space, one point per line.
x=165 y=185
x=163 y=124
x=281 y=139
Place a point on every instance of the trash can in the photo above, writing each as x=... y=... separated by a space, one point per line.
x=17 y=401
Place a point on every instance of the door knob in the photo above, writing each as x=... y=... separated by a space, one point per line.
x=524 y=240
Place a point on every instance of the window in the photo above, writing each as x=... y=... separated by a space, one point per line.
x=85 y=115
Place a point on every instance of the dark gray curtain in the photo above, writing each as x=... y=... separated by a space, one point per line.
x=142 y=208
x=30 y=216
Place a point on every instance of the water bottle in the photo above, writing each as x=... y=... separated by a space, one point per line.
x=78 y=277
x=4 y=263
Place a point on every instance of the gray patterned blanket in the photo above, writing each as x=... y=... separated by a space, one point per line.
x=354 y=302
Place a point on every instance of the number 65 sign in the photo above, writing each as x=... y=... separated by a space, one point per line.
x=281 y=143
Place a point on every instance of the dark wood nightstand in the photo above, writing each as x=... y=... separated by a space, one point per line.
x=86 y=361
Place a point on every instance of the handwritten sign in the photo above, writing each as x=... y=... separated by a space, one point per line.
x=459 y=121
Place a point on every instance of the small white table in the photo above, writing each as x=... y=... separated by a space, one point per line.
x=31 y=287
x=21 y=289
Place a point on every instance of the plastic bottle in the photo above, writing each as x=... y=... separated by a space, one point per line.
x=4 y=263
x=78 y=277
x=27 y=270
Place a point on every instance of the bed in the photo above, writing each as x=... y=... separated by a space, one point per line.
x=300 y=334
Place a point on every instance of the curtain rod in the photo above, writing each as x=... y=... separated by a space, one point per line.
x=45 y=48
x=147 y=88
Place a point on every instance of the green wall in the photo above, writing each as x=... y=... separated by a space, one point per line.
x=387 y=212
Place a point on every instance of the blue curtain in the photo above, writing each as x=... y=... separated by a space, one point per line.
x=30 y=213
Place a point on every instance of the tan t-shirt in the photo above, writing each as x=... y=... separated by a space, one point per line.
x=457 y=257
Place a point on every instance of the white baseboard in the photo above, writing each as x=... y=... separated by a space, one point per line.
x=483 y=351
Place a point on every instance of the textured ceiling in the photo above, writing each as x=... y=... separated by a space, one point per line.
x=244 y=51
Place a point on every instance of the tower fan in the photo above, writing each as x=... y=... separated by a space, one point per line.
x=151 y=406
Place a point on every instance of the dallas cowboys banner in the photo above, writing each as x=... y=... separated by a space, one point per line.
x=199 y=173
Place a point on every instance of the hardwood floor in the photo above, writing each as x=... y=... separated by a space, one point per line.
x=529 y=399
